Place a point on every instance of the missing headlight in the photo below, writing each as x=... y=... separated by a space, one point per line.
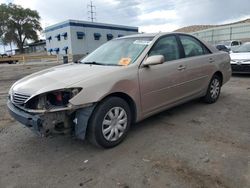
x=53 y=99
x=59 y=98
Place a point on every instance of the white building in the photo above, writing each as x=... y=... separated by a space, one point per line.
x=228 y=32
x=81 y=37
x=225 y=33
x=216 y=34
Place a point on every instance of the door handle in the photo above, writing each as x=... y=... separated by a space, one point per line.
x=181 y=67
x=211 y=60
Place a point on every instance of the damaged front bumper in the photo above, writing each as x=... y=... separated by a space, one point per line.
x=32 y=121
x=45 y=123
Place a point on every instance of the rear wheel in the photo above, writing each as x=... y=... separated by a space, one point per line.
x=109 y=123
x=213 y=91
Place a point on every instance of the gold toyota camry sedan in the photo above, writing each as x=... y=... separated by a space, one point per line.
x=122 y=82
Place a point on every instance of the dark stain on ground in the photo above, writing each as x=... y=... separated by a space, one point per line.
x=217 y=137
x=85 y=182
x=191 y=176
x=197 y=122
x=16 y=165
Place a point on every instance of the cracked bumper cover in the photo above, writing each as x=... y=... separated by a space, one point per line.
x=32 y=121
x=39 y=122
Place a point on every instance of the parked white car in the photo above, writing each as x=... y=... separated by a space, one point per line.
x=233 y=45
x=240 y=59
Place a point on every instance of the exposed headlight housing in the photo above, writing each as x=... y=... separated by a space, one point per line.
x=52 y=99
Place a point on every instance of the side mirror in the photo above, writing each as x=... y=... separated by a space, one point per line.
x=154 y=60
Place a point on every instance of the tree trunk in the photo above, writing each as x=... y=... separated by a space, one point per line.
x=20 y=42
x=21 y=49
x=11 y=48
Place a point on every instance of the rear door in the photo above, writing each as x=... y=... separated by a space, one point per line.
x=199 y=65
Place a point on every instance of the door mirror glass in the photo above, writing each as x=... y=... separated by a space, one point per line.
x=154 y=60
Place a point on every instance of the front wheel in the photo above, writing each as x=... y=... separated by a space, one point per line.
x=109 y=123
x=213 y=91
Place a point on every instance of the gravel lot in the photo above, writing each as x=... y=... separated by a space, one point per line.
x=192 y=145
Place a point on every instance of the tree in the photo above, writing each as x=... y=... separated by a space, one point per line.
x=3 y=43
x=3 y=18
x=3 y=23
x=21 y=24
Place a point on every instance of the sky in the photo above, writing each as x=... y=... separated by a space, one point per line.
x=149 y=15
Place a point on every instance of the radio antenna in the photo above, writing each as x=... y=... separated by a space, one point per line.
x=91 y=11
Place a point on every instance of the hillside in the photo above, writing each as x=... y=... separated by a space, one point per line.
x=194 y=28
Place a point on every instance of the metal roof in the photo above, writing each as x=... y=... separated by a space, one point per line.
x=78 y=23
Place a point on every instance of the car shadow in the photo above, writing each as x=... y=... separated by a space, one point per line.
x=163 y=120
x=58 y=142
x=245 y=75
x=167 y=114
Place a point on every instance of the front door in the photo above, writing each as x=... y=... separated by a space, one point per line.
x=162 y=84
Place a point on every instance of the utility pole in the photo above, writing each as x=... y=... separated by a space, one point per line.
x=92 y=11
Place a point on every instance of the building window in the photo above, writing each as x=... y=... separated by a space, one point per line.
x=57 y=50
x=49 y=38
x=58 y=37
x=80 y=35
x=50 y=50
x=66 y=49
x=109 y=36
x=97 y=36
x=120 y=35
x=64 y=35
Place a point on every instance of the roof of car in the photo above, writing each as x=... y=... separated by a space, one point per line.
x=152 y=34
x=144 y=35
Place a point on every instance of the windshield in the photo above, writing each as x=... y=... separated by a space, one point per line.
x=227 y=43
x=118 y=52
x=243 y=48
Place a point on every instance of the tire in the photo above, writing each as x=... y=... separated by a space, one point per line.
x=213 y=91
x=109 y=123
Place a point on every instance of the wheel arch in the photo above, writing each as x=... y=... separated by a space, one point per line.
x=219 y=73
x=128 y=99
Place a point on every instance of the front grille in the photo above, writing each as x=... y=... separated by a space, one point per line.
x=244 y=68
x=240 y=60
x=19 y=99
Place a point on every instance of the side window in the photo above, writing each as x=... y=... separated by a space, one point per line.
x=168 y=47
x=235 y=43
x=192 y=47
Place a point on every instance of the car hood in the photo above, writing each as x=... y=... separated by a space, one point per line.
x=240 y=56
x=59 y=77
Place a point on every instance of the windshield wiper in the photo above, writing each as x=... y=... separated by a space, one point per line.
x=93 y=63
x=110 y=64
x=97 y=63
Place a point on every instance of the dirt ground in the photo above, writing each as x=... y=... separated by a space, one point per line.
x=192 y=145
